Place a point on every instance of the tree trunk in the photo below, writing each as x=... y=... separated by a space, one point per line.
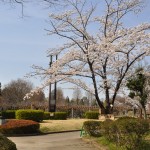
x=107 y=110
x=140 y=113
x=144 y=112
x=106 y=113
x=102 y=111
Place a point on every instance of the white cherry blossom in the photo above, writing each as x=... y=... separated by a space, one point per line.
x=104 y=57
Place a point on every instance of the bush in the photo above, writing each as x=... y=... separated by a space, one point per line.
x=46 y=116
x=93 y=128
x=9 y=114
x=35 y=115
x=126 y=132
x=55 y=115
x=108 y=130
x=92 y=115
x=131 y=132
x=6 y=144
x=59 y=116
x=19 y=127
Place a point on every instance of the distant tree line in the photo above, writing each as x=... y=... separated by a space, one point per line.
x=14 y=92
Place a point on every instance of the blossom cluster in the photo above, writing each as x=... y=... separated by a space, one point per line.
x=104 y=58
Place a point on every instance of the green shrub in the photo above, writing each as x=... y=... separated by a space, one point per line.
x=93 y=128
x=35 y=115
x=126 y=132
x=6 y=144
x=59 y=116
x=46 y=116
x=19 y=127
x=91 y=115
x=109 y=130
x=131 y=132
x=126 y=118
x=55 y=116
x=9 y=114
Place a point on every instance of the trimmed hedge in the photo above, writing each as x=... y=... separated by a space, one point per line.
x=60 y=116
x=93 y=128
x=108 y=130
x=20 y=127
x=9 y=114
x=35 y=115
x=46 y=116
x=56 y=116
x=6 y=144
x=92 y=115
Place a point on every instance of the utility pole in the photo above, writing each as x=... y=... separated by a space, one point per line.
x=0 y=89
x=55 y=91
x=50 y=87
x=52 y=98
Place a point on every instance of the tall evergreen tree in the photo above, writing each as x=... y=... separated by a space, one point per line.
x=137 y=86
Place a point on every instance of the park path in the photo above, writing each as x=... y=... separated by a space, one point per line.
x=59 y=141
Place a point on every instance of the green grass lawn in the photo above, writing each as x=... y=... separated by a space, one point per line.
x=61 y=125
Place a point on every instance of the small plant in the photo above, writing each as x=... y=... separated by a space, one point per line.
x=93 y=128
x=35 y=115
x=92 y=115
x=20 y=127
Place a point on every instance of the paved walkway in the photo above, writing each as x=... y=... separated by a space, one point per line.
x=60 y=141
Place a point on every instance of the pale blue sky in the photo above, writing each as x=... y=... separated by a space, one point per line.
x=23 y=41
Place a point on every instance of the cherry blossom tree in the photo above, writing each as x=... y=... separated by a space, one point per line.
x=23 y=2
x=99 y=51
